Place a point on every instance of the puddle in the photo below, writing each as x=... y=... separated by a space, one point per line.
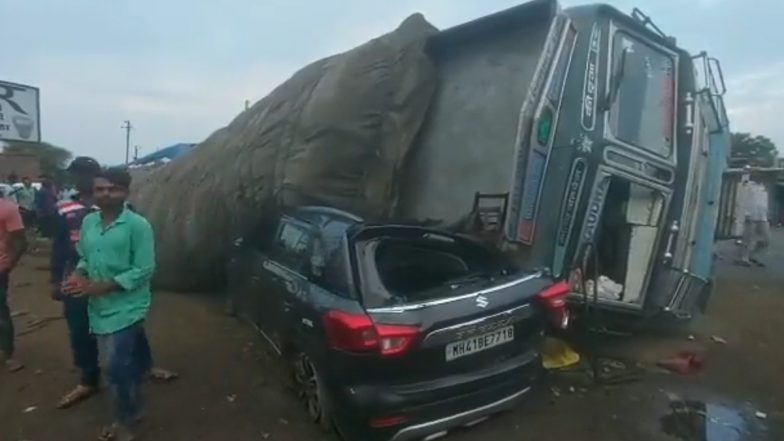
x=692 y=420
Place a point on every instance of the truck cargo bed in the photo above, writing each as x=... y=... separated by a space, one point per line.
x=468 y=143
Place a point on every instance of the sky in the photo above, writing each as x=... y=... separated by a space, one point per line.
x=180 y=69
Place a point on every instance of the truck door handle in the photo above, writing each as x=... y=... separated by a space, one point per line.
x=674 y=228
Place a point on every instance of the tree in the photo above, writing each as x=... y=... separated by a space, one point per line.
x=52 y=159
x=755 y=151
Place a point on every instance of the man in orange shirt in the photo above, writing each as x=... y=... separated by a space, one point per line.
x=13 y=244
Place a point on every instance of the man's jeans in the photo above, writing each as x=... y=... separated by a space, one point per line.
x=84 y=347
x=127 y=360
x=6 y=324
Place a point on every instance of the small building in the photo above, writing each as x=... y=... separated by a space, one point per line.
x=19 y=164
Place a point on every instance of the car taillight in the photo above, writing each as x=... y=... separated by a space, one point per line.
x=357 y=333
x=552 y=299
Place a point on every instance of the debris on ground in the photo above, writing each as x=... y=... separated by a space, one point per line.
x=761 y=415
x=608 y=371
x=30 y=409
x=717 y=339
x=685 y=363
x=231 y=398
x=557 y=354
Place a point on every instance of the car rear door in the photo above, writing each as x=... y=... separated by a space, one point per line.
x=468 y=326
x=286 y=270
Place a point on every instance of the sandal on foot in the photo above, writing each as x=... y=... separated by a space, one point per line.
x=76 y=396
x=162 y=375
x=12 y=365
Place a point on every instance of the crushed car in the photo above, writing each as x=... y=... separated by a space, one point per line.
x=393 y=332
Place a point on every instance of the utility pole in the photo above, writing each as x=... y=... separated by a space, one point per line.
x=136 y=149
x=127 y=126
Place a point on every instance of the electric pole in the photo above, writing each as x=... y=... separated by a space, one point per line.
x=136 y=149
x=127 y=126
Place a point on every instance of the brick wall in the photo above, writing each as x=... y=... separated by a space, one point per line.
x=18 y=164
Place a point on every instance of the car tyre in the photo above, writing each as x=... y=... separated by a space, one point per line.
x=313 y=393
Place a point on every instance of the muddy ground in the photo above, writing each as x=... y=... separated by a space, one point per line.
x=232 y=389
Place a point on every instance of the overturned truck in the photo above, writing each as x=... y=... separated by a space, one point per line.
x=584 y=142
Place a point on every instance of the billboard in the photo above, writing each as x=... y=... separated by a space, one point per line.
x=19 y=113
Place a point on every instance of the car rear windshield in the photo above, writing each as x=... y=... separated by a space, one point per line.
x=397 y=271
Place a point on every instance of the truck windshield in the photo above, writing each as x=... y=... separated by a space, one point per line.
x=397 y=271
x=641 y=113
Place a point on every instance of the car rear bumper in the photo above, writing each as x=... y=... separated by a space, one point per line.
x=463 y=419
x=434 y=406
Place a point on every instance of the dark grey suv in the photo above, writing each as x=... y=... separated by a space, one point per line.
x=392 y=332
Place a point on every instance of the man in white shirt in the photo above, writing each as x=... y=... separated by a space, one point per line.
x=756 y=228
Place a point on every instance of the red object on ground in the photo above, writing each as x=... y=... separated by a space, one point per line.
x=686 y=363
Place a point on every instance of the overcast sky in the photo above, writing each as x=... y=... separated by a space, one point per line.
x=180 y=69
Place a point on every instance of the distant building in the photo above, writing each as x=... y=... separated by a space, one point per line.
x=19 y=164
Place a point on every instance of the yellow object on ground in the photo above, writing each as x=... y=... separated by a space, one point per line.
x=556 y=354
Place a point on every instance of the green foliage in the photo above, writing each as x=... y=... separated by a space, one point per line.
x=755 y=151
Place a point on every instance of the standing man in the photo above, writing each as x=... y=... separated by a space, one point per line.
x=13 y=244
x=25 y=198
x=66 y=233
x=756 y=226
x=46 y=205
x=64 y=258
x=117 y=253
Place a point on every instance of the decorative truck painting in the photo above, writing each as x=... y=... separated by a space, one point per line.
x=19 y=113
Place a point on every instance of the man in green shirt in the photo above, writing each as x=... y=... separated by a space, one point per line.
x=117 y=261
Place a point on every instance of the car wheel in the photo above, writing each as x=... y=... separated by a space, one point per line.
x=312 y=392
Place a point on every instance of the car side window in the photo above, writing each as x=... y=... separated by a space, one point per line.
x=293 y=246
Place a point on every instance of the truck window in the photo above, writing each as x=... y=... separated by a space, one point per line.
x=292 y=246
x=643 y=107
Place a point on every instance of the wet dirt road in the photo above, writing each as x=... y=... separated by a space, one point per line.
x=232 y=389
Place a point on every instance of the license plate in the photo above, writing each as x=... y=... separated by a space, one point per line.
x=479 y=343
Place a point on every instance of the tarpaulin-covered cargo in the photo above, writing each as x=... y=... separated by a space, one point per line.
x=334 y=134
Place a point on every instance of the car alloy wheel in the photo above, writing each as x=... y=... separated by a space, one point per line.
x=309 y=388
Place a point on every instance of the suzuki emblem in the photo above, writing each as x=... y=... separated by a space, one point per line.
x=482 y=302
